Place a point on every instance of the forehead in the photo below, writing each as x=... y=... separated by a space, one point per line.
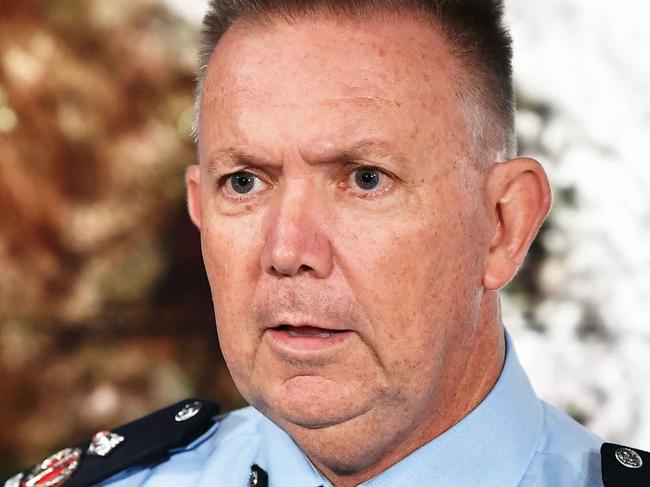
x=328 y=78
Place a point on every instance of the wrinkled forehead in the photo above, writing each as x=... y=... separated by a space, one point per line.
x=337 y=73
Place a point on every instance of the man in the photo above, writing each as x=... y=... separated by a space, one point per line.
x=360 y=207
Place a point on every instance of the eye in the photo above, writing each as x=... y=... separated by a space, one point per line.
x=367 y=178
x=369 y=181
x=242 y=183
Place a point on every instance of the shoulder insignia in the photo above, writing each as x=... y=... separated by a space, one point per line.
x=624 y=467
x=145 y=441
x=258 y=477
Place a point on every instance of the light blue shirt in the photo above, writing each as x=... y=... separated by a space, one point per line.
x=511 y=439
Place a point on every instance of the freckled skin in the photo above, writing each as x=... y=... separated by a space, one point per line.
x=403 y=269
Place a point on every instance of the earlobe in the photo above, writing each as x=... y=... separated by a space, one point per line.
x=519 y=197
x=192 y=183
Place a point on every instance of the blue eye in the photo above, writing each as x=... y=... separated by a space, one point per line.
x=367 y=178
x=242 y=182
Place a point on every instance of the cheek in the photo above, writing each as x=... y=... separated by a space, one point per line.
x=231 y=251
x=231 y=260
x=416 y=275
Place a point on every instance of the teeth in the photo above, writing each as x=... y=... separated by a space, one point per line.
x=323 y=334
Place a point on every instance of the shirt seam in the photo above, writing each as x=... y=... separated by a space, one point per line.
x=580 y=471
x=541 y=452
x=538 y=444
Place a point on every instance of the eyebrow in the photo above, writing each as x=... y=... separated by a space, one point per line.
x=355 y=152
x=236 y=157
x=358 y=151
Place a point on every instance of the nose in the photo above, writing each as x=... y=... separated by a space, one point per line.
x=295 y=239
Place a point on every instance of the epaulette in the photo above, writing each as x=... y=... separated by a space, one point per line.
x=144 y=442
x=624 y=467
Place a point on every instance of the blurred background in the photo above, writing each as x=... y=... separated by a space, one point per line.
x=105 y=312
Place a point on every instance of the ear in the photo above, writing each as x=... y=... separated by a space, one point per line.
x=192 y=183
x=519 y=200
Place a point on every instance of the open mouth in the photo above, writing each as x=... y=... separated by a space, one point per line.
x=307 y=331
x=307 y=338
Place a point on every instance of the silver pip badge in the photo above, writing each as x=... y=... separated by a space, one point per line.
x=104 y=442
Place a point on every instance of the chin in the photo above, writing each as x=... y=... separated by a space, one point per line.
x=306 y=417
x=346 y=444
x=314 y=402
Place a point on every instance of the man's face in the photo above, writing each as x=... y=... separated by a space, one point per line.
x=343 y=228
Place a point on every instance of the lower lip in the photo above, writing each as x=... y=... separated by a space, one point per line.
x=307 y=343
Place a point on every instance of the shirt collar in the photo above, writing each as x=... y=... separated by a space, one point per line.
x=283 y=461
x=504 y=430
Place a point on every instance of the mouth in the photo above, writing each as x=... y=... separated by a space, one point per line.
x=307 y=331
x=307 y=338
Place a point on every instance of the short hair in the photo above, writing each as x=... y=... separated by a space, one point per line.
x=474 y=30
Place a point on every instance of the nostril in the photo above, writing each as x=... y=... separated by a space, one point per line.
x=304 y=268
x=291 y=271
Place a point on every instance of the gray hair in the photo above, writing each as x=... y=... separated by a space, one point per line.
x=474 y=29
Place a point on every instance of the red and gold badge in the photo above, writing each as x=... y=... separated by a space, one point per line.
x=54 y=470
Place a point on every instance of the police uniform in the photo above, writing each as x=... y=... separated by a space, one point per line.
x=511 y=439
